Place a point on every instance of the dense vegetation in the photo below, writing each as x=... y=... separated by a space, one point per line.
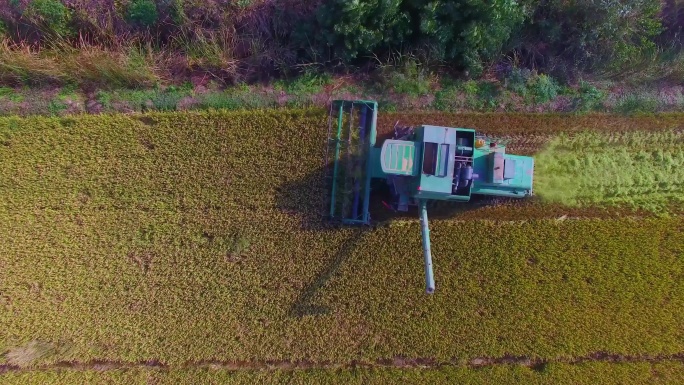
x=187 y=237
x=247 y=39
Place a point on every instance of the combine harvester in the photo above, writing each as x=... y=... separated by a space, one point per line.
x=419 y=164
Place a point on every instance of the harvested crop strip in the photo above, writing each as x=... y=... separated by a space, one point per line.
x=532 y=125
x=528 y=134
x=637 y=169
x=198 y=237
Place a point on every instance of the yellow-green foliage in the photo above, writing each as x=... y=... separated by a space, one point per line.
x=196 y=236
x=88 y=64
x=554 y=373
x=638 y=169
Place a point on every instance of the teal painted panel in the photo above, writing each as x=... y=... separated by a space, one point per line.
x=437 y=166
x=517 y=175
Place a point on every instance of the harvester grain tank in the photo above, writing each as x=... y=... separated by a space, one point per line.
x=419 y=164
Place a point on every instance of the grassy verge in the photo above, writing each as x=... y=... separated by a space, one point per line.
x=196 y=236
x=99 y=81
x=586 y=373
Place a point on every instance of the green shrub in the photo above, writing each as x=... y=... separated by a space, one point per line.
x=220 y=100
x=488 y=93
x=167 y=101
x=104 y=98
x=517 y=80
x=472 y=99
x=543 y=88
x=409 y=79
x=446 y=97
x=588 y=98
x=387 y=105
x=466 y=32
x=143 y=12
x=139 y=100
x=481 y=95
x=11 y=94
x=470 y=87
x=136 y=99
x=309 y=82
x=56 y=107
x=50 y=16
x=637 y=104
x=354 y=28
x=238 y=98
x=590 y=34
x=458 y=31
x=6 y=91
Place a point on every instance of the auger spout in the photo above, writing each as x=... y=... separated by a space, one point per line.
x=425 y=231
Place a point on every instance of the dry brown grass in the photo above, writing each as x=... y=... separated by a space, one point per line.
x=63 y=63
x=23 y=64
x=211 y=51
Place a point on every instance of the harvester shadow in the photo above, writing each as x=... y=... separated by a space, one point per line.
x=307 y=199
x=313 y=210
x=436 y=209
x=303 y=305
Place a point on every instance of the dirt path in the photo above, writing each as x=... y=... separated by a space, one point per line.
x=396 y=362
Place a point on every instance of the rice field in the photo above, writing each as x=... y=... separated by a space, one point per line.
x=192 y=247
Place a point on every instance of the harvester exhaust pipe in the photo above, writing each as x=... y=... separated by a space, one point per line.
x=425 y=231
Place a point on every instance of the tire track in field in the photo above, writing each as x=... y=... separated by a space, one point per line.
x=509 y=209
x=527 y=134
x=526 y=124
x=487 y=208
x=490 y=210
x=395 y=362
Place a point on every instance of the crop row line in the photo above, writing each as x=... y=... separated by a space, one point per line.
x=396 y=363
x=580 y=214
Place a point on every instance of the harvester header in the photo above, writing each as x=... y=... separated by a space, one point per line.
x=419 y=164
